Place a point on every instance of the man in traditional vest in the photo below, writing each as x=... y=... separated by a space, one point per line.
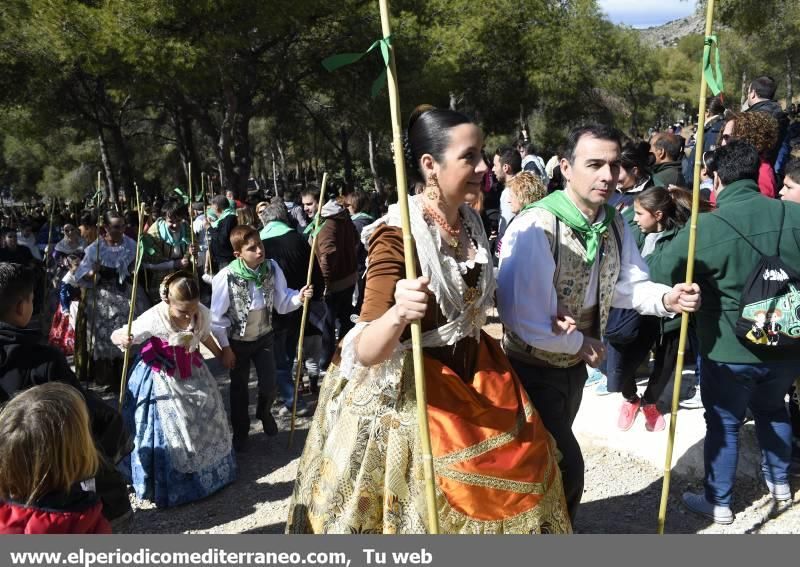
x=568 y=259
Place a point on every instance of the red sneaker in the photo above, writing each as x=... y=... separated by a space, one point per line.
x=653 y=420
x=627 y=413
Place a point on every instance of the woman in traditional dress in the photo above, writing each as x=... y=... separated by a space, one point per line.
x=107 y=305
x=361 y=469
x=183 y=442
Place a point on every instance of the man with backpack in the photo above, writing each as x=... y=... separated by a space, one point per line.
x=746 y=256
x=571 y=255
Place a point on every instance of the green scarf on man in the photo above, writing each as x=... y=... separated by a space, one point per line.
x=559 y=203
x=274 y=229
x=225 y=213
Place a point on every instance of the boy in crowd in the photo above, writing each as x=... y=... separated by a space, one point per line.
x=243 y=295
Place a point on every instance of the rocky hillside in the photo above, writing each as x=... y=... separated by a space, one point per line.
x=667 y=35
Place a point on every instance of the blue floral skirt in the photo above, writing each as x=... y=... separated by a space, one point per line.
x=182 y=446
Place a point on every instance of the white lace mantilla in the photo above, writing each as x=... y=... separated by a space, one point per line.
x=118 y=257
x=465 y=310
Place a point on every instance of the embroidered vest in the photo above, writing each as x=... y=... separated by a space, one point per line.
x=241 y=302
x=571 y=278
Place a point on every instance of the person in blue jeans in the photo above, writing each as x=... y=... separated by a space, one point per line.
x=735 y=375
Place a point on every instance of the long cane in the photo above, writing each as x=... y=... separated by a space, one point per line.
x=306 y=302
x=191 y=227
x=47 y=256
x=137 y=266
x=662 y=511
x=209 y=266
x=95 y=269
x=411 y=273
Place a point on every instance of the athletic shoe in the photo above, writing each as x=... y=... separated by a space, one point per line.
x=302 y=410
x=602 y=388
x=653 y=420
x=695 y=402
x=627 y=413
x=780 y=492
x=698 y=504
x=595 y=376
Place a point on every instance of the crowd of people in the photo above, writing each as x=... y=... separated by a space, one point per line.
x=583 y=255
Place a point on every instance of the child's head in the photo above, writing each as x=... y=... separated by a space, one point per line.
x=791 y=182
x=17 y=283
x=659 y=208
x=45 y=443
x=246 y=244
x=182 y=293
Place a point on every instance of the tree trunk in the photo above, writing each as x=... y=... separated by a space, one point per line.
x=372 y=168
x=282 y=161
x=123 y=156
x=275 y=176
x=347 y=160
x=789 y=90
x=453 y=101
x=242 y=154
x=744 y=87
x=111 y=186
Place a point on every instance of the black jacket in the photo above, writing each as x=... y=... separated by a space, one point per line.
x=26 y=362
x=710 y=139
x=220 y=243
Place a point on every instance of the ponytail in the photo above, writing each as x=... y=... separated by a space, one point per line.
x=674 y=203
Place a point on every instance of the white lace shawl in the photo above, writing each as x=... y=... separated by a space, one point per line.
x=119 y=257
x=464 y=318
x=155 y=322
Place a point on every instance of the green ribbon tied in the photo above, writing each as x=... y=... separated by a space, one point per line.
x=182 y=195
x=713 y=73
x=342 y=59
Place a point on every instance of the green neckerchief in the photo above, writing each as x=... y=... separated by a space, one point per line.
x=274 y=229
x=310 y=226
x=225 y=213
x=242 y=270
x=562 y=206
x=165 y=234
x=357 y=216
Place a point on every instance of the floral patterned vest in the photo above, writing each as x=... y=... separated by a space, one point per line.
x=241 y=302
x=572 y=277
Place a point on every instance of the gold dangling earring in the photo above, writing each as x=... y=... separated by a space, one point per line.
x=432 y=192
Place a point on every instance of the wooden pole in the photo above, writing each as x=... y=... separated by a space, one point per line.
x=191 y=224
x=662 y=511
x=209 y=267
x=411 y=273
x=131 y=311
x=47 y=255
x=95 y=269
x=306 y=302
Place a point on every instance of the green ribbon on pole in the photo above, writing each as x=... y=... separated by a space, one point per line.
x=342 y=59
x=182 y=195
x=713 y=73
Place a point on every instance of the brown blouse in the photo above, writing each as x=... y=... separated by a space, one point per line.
x=385 y=267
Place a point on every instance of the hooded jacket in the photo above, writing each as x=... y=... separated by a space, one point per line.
x=25 y=362
x=78 y=512
x=336 y=248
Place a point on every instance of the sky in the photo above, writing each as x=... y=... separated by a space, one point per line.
x=646 y=13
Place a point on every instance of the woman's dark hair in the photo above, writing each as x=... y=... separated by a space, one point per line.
x=636 y=154
x=429 y=133
x=359 y=200
x=675 y=205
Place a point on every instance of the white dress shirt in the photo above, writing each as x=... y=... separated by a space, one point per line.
x=527 y=299
x=285 y=300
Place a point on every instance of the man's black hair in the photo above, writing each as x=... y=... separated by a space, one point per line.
x=764 y=87
x=17 y=283
x=599 y=131
x=735 y=161
x=510 y=157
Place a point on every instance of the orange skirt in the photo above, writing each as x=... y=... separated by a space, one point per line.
x=495 y=463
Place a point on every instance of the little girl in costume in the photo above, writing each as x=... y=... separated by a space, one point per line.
x=47 y=463
x=62 y=331
x=182 y=441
